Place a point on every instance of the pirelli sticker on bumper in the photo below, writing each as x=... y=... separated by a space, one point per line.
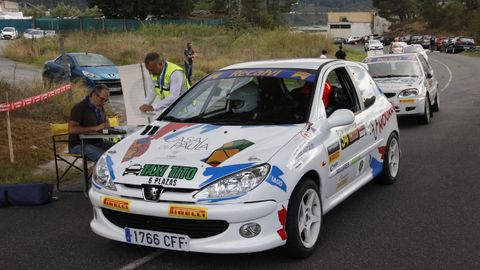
x=116 y=203
x=187 y=212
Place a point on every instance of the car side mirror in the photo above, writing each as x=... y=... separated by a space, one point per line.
x=341 y=117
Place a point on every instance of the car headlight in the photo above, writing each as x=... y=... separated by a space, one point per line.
x=89 y=74
x=102 y=174
x=236 y=184
x=409 y=92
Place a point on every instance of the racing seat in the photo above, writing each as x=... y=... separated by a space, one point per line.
x=60 y=141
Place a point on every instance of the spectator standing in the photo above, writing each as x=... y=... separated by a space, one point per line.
x=324 y=54
x=340 y=54
x=169 y=82
x=189 y=55
x=88 y=116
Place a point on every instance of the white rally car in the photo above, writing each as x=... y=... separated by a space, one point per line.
x=249 y=159
x=408 y=82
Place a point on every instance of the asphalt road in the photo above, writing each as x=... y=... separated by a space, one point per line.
x=15 y=72
x=428 y=220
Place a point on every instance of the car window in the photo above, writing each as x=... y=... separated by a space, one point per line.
x=92 y=60
x=365 y=85
x=343 y=94
x=70 y=61
x=59 y=60
x=425 y=65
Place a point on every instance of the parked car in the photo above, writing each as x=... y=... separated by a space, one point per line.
x=353 y=40
x=34 y=34
x=397 y=47
x=91 y=68
x=373 y=44
x=444 y=44
x=339 y=40
x=438 y=43
x=9 y=33
x=426 y=41
x=251 y=158
x=459 y=44
x=415 y=48
x=407 y=39
x=408 y=81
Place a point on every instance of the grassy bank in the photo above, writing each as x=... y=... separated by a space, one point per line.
x=216 y=46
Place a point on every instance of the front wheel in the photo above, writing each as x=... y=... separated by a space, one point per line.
x=391 y=162
x=304 y=220
x=425 y=118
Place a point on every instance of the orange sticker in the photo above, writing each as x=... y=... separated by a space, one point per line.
x=116 y=203
x=188 y=212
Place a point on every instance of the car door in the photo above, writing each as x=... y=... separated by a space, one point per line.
x=430 y=82
x=345 y=144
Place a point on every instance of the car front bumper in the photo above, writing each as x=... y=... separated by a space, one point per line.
x=410 y=106
x=265 y=213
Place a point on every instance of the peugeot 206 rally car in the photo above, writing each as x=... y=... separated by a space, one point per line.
x=249 y=159
x=408 y=82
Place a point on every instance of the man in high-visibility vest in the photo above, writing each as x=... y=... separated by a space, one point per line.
x=169 y=82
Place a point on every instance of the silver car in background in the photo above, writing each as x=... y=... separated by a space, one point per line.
x=407 y=80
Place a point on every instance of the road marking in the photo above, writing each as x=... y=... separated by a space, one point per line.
x=449 y=74
x=143 y=260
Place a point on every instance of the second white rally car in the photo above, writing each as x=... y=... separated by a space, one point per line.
x=249 y=159
x=408 y=82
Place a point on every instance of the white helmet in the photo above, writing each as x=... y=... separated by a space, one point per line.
x=245 y=98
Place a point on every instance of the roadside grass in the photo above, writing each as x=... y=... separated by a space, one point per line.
x=475 y=53
x=216 y=46
x=31 y=137
x=353 y=55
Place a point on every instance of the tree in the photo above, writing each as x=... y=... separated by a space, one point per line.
x=63 y=10
x=35 y=11
x=139 y=9
x=400 y=10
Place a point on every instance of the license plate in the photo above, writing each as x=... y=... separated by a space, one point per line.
x=157 y=239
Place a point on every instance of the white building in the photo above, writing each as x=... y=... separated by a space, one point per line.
x=356 y=24
x=10 y=10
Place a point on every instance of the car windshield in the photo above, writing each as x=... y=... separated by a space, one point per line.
x=37 y=32
x=8 y=29
x=93 y=60
x=247 y=97
x=394 y=69
x=374 y=42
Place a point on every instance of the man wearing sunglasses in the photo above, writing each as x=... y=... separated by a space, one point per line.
x=88 y=116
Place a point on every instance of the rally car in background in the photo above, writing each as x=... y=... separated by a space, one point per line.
x=249 y=159
x=89 y=68
x=9 y=33
x=408 y=82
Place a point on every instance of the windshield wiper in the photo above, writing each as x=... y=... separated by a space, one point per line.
x=393 y=75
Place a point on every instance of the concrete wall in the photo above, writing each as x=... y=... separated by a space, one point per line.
x=347 y=30
x=333 y=17
x=9 y=6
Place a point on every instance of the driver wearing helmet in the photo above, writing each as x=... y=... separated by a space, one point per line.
x=245 y=100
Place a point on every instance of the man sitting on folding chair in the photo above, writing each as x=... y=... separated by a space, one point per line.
x=88 y=116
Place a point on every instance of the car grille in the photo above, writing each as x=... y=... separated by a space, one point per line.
x=110 y=83
x=389 y=95
x=191 y=227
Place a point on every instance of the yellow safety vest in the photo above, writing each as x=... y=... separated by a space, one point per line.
x=162 y=82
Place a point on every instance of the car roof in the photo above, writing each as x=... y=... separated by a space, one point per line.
x=298 y=63
x=81 y=53
x=391 y=57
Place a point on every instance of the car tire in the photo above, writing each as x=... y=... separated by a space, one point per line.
x=436 y=105
x=304 y=220
x=425 y=118
x=391 y=162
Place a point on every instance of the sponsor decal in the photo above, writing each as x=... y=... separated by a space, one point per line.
x=227 y=151
x=376 y=166
x=361 y=130
x=282 y=217
x=333 y=152
x=303 y=148
x=188 y=143
x=162 y=174
x=275 y=178
x=382 y=121
x=342 y=182
x=133 y=169
x=219 y=199
x=137 y=148
x=169 y=128
x=324 y=163
x=349 y=135
x=110 y=167
x=407 y=100
x=361 y=166
x=116 y=203
x=187 y=212
x=274 y=73
x=152 y=193
x=381 y=151
x=221 y=171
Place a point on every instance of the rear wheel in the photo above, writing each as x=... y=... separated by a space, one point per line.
x=436 y=106
x=304 y=219
x=391 y=162
x=425 y=118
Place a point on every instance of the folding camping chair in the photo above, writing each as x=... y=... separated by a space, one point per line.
x=60 y=138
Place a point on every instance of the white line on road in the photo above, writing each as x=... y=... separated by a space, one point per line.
x=143 y=260
x=449 y=74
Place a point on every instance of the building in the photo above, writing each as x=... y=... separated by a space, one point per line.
x=356 y=24
x=10 y=10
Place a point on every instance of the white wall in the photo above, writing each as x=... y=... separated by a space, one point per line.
x=361 y=29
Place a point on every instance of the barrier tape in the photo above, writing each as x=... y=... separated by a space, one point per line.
x=5 y=107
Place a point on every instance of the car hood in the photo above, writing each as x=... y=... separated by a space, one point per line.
x=187 y=155
x=106 y=72
x=397 y=84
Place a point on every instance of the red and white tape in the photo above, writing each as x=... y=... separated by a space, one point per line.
x=32 y=100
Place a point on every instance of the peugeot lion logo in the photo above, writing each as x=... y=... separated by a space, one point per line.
x=152 y=193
